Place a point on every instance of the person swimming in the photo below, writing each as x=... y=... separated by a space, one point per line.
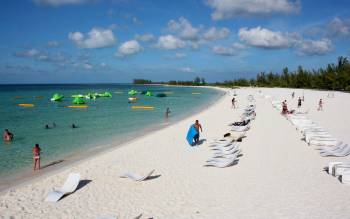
x=8 y=136
x=74 y=126
x=47 y=126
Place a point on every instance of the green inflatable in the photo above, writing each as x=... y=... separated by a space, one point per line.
x=132 y=92
x=78 y=100
x=148 y=94
x=77 y=96
x=106 y=94
x=90 y=96
x=57 y=97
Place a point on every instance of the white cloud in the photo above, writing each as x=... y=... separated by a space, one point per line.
x=264 y=38
x=96 y=38
x=177 y=55
x=170 y=42
x=128 y=48
x=187 y=70
x=224 y=9
x=32 y=53
x=214 y=33
x=232 y=50
x=53 y=43
x=56 y=3
x=184 y=29
x=314 y=47
x=338 y=28
x=145 y=37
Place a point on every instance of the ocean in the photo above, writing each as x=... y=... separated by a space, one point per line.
x=106 y=120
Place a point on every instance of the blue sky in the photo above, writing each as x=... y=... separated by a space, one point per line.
x=87 y=41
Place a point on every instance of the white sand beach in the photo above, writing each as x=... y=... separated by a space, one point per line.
x=278 y=176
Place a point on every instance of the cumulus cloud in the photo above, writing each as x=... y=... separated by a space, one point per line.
x=214 y=33
x=128 y=48
x=56 y=3
x=314 y=47
x=184 y=29
x=187 y=70
x=224 y=9
x=170 y=42
x=96 y=38
x=338 y=28
x=264 y=38
x=145 y=37
x=29 y=53
x=231 y=50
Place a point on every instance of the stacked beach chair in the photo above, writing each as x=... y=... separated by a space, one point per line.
x=227 y=150
x=315 y=135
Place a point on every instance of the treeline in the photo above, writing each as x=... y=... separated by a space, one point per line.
x=335 y=76
x=195 y=82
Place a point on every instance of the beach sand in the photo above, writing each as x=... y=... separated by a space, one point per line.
x=278 y=176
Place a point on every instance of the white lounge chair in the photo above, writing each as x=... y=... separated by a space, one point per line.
x=221 y=163
x=343 y=153
x=136 y=177
x=69 y=186
x=345 y=177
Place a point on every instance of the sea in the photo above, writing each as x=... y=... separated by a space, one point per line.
x=106 y=122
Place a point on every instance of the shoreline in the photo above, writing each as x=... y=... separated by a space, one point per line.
x=26 y=177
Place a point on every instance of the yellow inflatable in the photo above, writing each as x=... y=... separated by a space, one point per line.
x=26 y=105
x=143 y=107
x=78 y=106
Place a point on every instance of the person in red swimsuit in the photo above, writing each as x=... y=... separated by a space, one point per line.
x=36 y=157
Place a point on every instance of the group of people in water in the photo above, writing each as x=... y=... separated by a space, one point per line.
x=8 y=137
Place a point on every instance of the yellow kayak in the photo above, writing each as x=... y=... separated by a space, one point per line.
x=26 y=105
x=143 y=107
x=78 y=106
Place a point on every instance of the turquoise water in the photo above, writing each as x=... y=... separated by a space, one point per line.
x=104 y=121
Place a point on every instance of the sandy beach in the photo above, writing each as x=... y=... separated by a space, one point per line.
x=278 y=176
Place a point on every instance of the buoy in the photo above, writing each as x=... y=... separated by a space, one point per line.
x=26 y=105
x=143 y=107
x=78 y=107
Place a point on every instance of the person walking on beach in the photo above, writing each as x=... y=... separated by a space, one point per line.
x=197 y=126
x=36 y=157
x=299 y=102
x=233 y=103
x=8 y=136
x=293 y=95
x=167 y=112
x=320 y=105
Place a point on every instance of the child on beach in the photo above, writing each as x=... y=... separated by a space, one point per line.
x=320 y=105
x=36 y=157
x=8 y=136
x=167 y=112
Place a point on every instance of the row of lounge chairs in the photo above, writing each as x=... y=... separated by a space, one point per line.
x=326 y=144
x=227 y=150
x=341 y=170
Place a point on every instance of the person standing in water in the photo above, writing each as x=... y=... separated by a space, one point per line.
x=233 y=103
x=198 y=127
x=8 y=136
x=36 y=157
x=320 y=105
x=167 y=112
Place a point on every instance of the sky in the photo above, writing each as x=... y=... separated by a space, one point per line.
x=116 y=41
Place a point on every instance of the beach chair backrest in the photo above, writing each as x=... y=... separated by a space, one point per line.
x=71 y=183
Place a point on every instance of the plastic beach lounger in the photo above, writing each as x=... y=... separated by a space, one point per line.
x=69 y=186
x=221 y=163
x=343 y=153
x=137 y=177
